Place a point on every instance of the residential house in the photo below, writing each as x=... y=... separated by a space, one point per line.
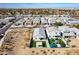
x=67 y=32
x=36 y=20
x=53 y=32
x=21 y=22
x=71 y=22
x=44 y=22
x=51 y=21
x=39 y=34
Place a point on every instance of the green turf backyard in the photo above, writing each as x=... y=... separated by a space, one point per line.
x=43 y=43
x=59 y=41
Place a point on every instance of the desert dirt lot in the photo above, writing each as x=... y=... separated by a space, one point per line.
x=17 y=43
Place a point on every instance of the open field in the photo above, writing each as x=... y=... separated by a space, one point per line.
x=37 y=11
x=74 y=43
x=16 y=40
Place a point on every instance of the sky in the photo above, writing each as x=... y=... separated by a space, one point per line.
x=39 y=5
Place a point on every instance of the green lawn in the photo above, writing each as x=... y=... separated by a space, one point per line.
x=34 y=43
x=44 y=44
x=52 y=42
x=61 y=43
